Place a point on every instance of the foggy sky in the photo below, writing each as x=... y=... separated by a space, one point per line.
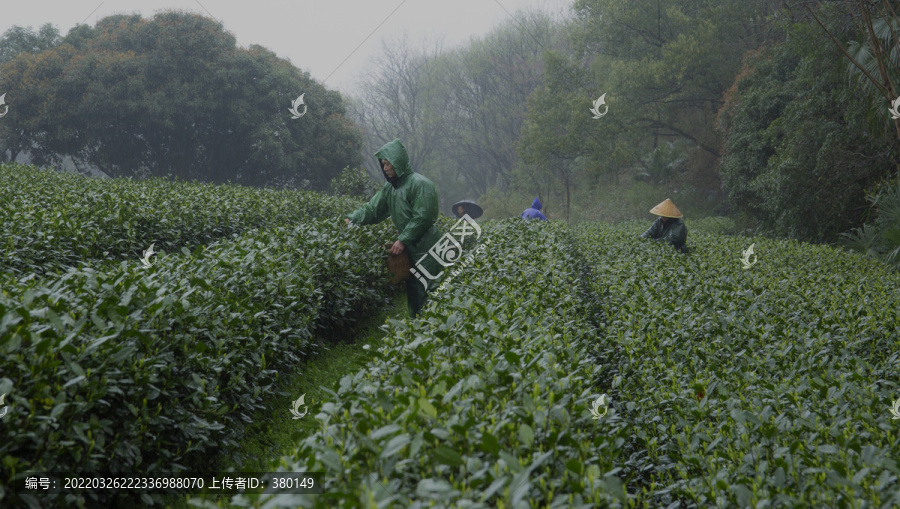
x=318 y=36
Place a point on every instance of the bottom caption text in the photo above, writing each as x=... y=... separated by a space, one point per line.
x=182 y=482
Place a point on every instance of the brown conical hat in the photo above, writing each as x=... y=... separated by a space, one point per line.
x=666 y=209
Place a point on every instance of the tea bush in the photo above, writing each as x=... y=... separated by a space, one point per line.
x=50 y=220
x=123 y=368
x=481 y=403
x=749 y=387
x=719 y=225
x=729 y=387
x=355 y=182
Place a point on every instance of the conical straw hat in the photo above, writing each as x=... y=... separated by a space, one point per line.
x=666 y=209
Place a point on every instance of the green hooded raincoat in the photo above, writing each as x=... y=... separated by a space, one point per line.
x=411 y=201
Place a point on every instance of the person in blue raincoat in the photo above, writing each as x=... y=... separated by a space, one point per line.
x=534 y=212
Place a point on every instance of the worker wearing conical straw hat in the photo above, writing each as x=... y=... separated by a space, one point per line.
x=668 y=226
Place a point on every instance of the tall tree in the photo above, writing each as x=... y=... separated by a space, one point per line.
x=875 y=59
x=488 y=82
x=663 y=66
x=461 y=111
x=175 y=96
x=797 y=155
x=18 y=40
x=401 y=99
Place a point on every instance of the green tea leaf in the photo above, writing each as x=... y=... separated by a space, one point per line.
x=448 y=456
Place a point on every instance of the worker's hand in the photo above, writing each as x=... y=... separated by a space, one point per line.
x=346 y=221
x=397 y=248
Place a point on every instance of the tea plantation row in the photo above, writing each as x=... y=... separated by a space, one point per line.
x=51 y=219
x=122 y=368
x=482 y=403
x=767 y=386
x=730 y=387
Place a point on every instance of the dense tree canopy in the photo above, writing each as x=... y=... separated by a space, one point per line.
x=174 y=96
x=798 y=154
x=663 y=65
x=771 y=108
x=18 y=40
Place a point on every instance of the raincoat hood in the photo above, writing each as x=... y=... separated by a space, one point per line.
x=534 y=212
x=395 y=152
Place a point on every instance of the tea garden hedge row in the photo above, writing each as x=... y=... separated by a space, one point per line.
x=53 y=219
x=767 y=386
x=125 y=368
x=481 y=403
x=729 y=387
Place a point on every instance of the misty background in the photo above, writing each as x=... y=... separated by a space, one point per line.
x=774 y=113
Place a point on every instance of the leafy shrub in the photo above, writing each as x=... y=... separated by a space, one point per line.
x=480 y=403
x=51 y=220
x=355 y=182
x=748 y=388
x=881 y=238
x=798 y=153
x=144 y=370
x=664 y=162
x=713 y=225
x=729 y=387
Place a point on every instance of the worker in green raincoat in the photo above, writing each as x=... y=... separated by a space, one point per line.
x=411 y=201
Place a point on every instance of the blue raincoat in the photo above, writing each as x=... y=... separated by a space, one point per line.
x=534 y=212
